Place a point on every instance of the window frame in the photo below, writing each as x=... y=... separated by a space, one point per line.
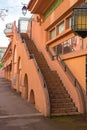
x=68 y=22
x=51 y=35
x=59 y=25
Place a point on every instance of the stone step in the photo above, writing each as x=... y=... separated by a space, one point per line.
x=56 y=96
x=64 y=114
x=51 y=80
x=63 y=110
x=57 y=91
x=61 y=100
x=54 y=85
x=63 y=105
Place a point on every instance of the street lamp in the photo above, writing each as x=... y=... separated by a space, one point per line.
x=79 y=20
x=24 y=10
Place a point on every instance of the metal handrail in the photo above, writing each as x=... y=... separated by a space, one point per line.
x=70 y=75
x=50 y=54
x=31 y=56
x=74 y=81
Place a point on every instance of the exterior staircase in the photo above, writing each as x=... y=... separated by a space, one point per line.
x=60 y=100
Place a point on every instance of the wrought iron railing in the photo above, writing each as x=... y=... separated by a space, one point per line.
x=50 y=54
x=9 y=25
x=8 y=28
x=6 y=31
x=70 y=75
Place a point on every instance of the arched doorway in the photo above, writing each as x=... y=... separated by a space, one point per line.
x=25 y=88
x=19 y=75
x=15 y=55
x=14 y=69
x=32 y=97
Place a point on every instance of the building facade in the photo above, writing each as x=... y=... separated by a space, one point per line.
x=46 y=61
x=2 y=51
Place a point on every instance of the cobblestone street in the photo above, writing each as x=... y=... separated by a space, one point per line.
x=17 y=114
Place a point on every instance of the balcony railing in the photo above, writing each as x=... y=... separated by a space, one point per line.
x=72 y=44
x=8 y=29
x=23 y=25
x=9 y=25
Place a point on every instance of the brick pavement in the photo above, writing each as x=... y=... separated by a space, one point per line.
x=18 y=114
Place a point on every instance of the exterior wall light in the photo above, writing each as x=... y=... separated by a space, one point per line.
x=24 y=10
x=79 y=20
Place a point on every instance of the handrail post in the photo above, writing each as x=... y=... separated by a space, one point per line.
x=75 y=81
x=65 y=68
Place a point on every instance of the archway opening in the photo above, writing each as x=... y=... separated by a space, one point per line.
x=32 y=97
x=25 y=88
x=14 y=75
x=19 y=75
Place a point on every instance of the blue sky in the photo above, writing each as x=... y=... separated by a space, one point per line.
x=14 y=13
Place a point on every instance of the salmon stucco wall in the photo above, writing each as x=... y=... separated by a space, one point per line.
x=77 y=67
x=26 y=66
x=39 y=36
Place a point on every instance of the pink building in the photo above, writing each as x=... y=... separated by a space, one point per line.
x=45 y=61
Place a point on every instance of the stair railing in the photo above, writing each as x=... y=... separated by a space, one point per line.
x=73 y=80
x=70 y=75
x=50 y=54
x=31 y=56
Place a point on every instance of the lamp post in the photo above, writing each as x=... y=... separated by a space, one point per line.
x=79 y=20
x=24 y=10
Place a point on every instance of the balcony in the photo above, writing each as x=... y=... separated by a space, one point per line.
x=9 y=30
x=39 y=6
x=23 y=25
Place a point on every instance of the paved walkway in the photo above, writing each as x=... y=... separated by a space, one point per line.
x=11 y=103
x=18 y=114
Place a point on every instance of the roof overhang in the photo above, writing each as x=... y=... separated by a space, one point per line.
x=39 y=6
